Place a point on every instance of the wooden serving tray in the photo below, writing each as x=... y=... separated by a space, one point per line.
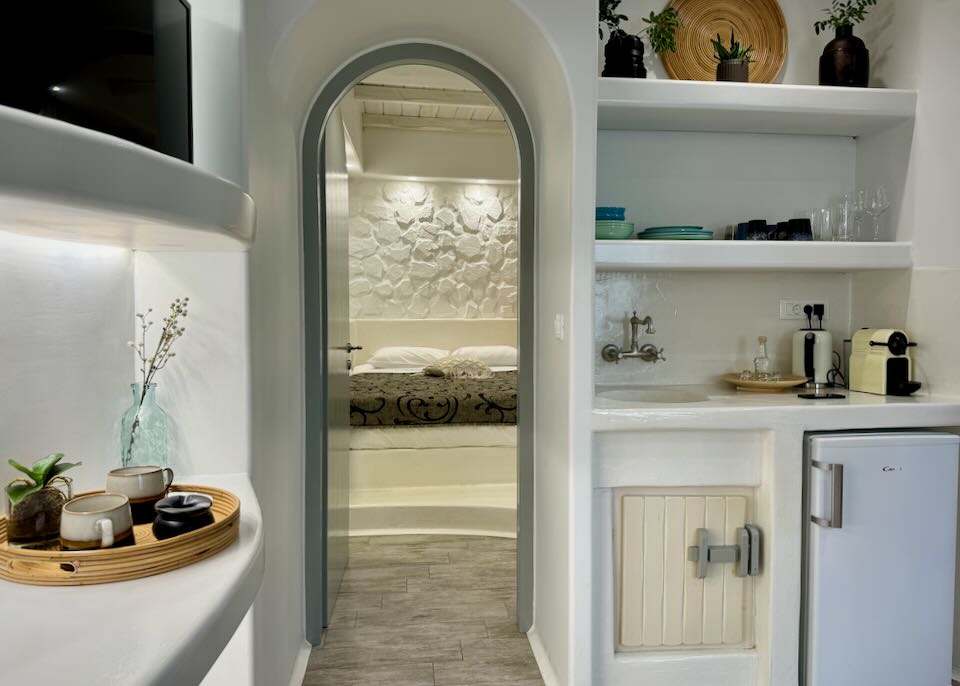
x=752 y=386
x=146 y=557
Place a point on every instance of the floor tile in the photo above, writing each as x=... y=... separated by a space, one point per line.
x=426 y=611
x=378 y=675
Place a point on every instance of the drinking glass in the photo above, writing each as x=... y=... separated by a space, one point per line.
x=844 y=220
x=878 y=204
x=820 y=223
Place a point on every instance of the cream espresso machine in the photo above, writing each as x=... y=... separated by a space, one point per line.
x=880 y=362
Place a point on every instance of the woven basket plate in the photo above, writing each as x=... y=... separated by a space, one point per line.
x=759 y=23
x=147 y=557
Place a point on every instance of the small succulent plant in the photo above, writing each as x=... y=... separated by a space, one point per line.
x=40 y=474
x=842 y=13
x=734 y=51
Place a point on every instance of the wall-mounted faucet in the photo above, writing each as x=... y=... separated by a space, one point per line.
x=647 y=352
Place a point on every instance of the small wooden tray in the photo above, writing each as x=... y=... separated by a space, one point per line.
x=752 y=386
x=146 y=557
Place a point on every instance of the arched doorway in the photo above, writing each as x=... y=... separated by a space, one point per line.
x=316 y=339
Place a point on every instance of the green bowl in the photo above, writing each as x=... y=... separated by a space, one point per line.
x=614 y=233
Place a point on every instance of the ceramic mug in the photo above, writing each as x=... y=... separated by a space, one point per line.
x=144 y=486
x=101 y=520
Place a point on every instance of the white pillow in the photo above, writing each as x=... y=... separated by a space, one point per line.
x=490 y=355
x=406 y=356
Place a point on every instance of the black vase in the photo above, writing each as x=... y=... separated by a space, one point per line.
x=845 y=61
x=623 y=56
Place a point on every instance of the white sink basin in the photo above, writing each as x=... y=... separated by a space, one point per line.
x=659 y=396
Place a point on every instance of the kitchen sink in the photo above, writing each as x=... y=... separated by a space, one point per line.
x=659 y=396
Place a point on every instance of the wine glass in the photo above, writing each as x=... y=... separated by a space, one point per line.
x=877 y=205
x=860 y=204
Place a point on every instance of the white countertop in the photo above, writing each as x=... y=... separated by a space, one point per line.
x=164 y=629
x=730 y=409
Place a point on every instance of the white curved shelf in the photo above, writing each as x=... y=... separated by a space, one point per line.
x=634 y=255
x=667 y=105
x=163 y=629
x=62 y=181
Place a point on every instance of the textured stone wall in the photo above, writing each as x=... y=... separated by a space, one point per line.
x=432 y=250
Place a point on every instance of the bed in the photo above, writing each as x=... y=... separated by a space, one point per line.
x=432 y=455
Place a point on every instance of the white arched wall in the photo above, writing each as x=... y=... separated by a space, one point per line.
x=544 y=50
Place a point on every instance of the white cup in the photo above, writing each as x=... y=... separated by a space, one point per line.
x=101 y=520
x=143 y=485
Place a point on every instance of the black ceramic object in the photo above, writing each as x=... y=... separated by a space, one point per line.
x=181 y=513
x=799 y=230
x=623 y=56
x=734 y=70
x=757 y=230
x=845 y=61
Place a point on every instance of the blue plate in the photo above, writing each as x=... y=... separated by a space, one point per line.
x=676 y=229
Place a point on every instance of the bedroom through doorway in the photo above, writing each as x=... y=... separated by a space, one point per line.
x=425 y=384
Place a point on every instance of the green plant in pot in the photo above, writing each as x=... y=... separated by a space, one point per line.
x=733 y=61
x=35 y=500
x=623 y=53
x=845 y=60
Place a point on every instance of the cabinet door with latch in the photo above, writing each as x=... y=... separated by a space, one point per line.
x=666 y=598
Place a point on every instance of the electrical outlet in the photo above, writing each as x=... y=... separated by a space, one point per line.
x=793 y=309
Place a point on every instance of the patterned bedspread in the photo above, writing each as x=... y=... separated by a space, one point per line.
x=417 y=399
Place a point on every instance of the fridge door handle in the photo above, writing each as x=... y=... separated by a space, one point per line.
x=835 y=471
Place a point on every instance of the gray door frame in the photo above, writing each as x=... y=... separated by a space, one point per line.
x=315 y=312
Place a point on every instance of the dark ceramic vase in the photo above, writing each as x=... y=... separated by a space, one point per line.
x=623 y=56
x=734 y=70
x=845 y=61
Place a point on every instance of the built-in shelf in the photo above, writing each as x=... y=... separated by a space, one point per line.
x=633 y=255
x=666 y=105
x=62 y=181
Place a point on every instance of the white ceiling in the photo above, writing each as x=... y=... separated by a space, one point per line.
x=425 y=97
x=421 y=76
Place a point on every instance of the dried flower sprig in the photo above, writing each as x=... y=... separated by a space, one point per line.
x=171 y=330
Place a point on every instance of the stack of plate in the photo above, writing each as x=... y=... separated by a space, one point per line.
x=676 y=233
x=610 y=224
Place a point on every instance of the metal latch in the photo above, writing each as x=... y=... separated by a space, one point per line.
x=745 y=553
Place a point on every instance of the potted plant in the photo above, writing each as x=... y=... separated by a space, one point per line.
x=845 y=60
x=733 y=61
x=623 y=53
x=34 y=502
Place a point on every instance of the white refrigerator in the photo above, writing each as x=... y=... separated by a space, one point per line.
x=880 y=536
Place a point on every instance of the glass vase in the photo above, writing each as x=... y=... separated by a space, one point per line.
x=143 y=430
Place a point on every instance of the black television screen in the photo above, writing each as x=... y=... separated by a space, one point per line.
x=117 y=66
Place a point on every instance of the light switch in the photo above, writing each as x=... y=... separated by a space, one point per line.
x=559 y=327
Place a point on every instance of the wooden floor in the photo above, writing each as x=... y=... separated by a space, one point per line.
x=426 y=611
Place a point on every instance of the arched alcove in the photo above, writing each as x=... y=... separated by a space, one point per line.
x=317 y=524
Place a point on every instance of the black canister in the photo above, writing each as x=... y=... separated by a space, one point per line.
x=181 y=513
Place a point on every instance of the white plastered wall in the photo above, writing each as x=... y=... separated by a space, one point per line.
x=554 y=78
